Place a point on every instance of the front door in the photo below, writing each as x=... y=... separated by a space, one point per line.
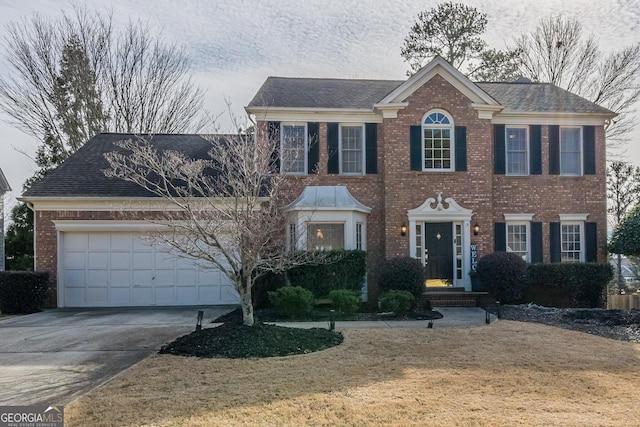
x=438 y=252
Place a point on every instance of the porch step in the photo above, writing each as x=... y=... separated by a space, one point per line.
x=454 y=298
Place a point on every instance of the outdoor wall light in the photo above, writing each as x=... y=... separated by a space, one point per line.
x=476 y=229
x=403 y=229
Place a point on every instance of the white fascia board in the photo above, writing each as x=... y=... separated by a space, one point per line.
x=506 y=117
x=108 y=204
x=108 y=226
x=4 y=184
x=343 y=115
x=439 y=66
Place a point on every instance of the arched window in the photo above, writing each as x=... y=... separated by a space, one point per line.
x=437 y=142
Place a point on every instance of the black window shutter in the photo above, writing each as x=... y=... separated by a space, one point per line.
x=554 y=241
x=554 y=150
x=274 y=138
x=535 y=150
x=536 y=242
x=371 y=142
x=415 y=149
x=313 y=151
x=333 y=162
x=591 y=244
x=500 y=237
x=461 y=148
x=498 y=150
x=589 y=145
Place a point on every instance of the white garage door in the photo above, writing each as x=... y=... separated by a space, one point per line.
x=124 y=269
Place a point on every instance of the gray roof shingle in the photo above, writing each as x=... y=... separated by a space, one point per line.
x=363 y=94
x=81 y=174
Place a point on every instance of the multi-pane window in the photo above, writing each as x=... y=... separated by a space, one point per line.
x=352 y=149
x=517 y=240
x=325 y=236
x=293 y=149
x=293 y=237
x=359 y=236
x=570 y=151
x=517 y=153
x=437 y=132
x=571 y=242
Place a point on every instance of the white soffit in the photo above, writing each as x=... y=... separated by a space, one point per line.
x=327 y=198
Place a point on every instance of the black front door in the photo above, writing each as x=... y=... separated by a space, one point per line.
x=438 y=251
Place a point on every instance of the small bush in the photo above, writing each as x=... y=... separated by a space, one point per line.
x=293 y=301
x=569 y=284
x=505 y=275
x=22 y=292
x=398 y=302
x=404 y=274
x=345 y=269
x=347 y=302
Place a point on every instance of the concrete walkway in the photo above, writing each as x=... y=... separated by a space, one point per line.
x=454 y=317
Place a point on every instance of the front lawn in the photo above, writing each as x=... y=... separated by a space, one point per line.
x=505 y=374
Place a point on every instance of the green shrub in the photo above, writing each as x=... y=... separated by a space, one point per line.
x=569 y=284
x=344 y=270
x=396 y=301
x=504 y=274
x=22 y=292
x=293 y=301
x=347 y=302
x=404 y=274
x=263 y=285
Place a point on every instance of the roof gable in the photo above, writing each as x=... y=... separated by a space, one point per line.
x=4 y=184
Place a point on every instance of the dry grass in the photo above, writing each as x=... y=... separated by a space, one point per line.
x=506 y=374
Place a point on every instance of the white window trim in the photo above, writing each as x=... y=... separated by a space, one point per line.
x=364 y=166
x=506 y=150
x=452 y=145
x=306 y=147
x=581 y=162
x=582 y=238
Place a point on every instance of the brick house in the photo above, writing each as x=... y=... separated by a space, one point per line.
x=435 y=167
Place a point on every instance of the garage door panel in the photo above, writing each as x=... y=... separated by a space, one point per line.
x=124 y=269
x=99 y=242
x=120 y=259
x=121 y=243
x=97 y=296
x=96 y=277
x=143 y=277
x=165 y=295
x=120 y=277
x=75 y=278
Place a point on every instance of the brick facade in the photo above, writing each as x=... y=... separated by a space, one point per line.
x=396 y=188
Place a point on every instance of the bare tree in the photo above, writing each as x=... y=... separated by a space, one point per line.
x=225 y=208
x=623 y=194
x=72 y=77
x=557 y=52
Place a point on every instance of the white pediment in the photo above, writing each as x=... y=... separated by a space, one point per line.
x=435 y=209
x=482 y=102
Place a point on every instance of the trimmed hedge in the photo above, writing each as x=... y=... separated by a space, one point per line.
x=504 y=274
x=263 y=285
x=396 y=301
x=404 y=274
x=346 y=272
x=22 y=292
x=293 y=301
x=568 y=284
x=346 y=302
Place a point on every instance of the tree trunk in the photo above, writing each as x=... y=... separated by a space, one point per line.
x=246 y=302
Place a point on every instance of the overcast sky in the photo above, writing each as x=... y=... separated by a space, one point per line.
x=236 y=44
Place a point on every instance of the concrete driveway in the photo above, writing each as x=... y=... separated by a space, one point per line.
x=53 y=357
